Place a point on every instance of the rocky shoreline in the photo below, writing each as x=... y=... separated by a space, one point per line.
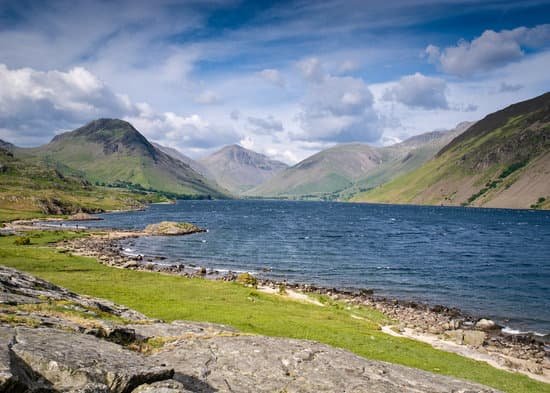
x=53 y=340
x=527 y=353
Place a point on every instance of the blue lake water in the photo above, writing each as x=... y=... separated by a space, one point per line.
x=488 y=262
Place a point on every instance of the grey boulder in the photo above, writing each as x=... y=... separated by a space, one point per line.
x=53 y=360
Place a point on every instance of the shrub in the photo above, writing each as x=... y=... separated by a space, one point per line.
x=512 y=168
x=22 y=241
x=539 y=203
x=247 y=279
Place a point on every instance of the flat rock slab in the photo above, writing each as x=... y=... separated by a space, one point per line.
x=180 y=329
x=264 y=364
x=54 y=360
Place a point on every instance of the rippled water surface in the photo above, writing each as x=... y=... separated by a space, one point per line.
x=488 y=262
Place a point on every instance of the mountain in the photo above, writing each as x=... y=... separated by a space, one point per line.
x=404 y=157
x=175 y=153
x=328 y=171
x=239 y=169
x=502 y=160
x=112 y=151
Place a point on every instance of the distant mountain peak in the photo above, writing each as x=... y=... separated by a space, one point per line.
x=239 y=169
x=246 y=156
x=113 y=134
x=234 y=146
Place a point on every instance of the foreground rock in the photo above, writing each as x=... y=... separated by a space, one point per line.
x=18 y=288
x=50 y=359
x=52 y=340
x=264 y=364
x=169 y=228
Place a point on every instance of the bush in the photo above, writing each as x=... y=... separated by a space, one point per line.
x=512 y=168
x=539 y=203
x=22 y=241
x=247 y=279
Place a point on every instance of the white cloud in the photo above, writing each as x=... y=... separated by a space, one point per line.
x=34 y=104
x=268 y=125
x=488 y=51
x=184 y=132
x=419 y=91
x=312 y=69
x=348 y=66
x=208 y=97
x=235 y=115
x=273 y=76
x=338 y=109
x=335 y=108
x=509 y=87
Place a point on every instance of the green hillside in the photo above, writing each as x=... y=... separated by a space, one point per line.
x=111 y=151
x=323 y=173
x=404 y=157
x=29 y=190
x=343 y=171
x=501 y=161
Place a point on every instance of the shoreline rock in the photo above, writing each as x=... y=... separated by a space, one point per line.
x=170 y=228
x=82 y=216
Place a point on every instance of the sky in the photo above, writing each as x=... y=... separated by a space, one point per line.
x=285 y=78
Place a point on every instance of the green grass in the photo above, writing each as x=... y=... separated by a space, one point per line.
x=26 y=186
x=170 y=298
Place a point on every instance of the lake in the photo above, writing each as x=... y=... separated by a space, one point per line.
x=487 y=262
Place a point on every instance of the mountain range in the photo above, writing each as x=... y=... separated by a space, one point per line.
x=502 y=160
x=343 y=170
x=113 y=152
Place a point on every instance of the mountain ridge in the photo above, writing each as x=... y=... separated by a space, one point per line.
x=503 y=160
x=178 y=155
x=343 y=170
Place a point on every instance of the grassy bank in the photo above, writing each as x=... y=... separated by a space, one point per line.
x=169 y=298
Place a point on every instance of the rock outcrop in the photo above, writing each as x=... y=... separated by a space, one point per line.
x=52 y=340
x=265 y=364
x=51 y=359
x=81 y=216
x=169 y=228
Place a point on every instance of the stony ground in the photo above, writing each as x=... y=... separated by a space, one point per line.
x=52 y=340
